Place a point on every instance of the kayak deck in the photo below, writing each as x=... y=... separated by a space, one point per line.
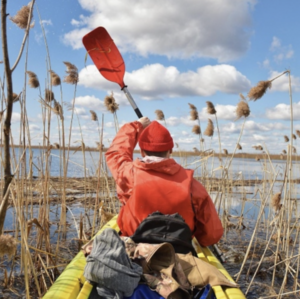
x=71 y=284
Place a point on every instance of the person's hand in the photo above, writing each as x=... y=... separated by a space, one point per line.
x=145 y=121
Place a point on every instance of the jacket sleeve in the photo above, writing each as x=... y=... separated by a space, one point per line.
x=119 y=158
x=209 y=229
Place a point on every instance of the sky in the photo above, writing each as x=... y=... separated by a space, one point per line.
x=175 y=53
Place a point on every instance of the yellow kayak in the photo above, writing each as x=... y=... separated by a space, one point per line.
x=71 y=284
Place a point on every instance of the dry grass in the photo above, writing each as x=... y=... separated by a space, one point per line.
x=33 y=80
x=55 y=79
x=196 y=129
x=110 y=103
x=286 y=139
x=242 y=109
x=22 y=16
x=49 y=95
x=209 y=131
x=275 y=201
x=94 y=116
x=210 y=108
x=259 y=90
x=72 y=73
x=159 y=115
x=8 y=245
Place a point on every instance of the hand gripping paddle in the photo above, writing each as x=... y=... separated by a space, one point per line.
x=108 y=60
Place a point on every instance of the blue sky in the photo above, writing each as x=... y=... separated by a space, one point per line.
x=175 y=52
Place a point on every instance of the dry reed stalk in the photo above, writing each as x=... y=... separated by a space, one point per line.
x=210 y=108
x=196 y=130
x=110 y=103
x=286 y=139
x=94 y=116
x=239 y=146
x=242 y=109
x=33 y=80
x=209 y=131
x=22 y=17
x=159 y=115
x=72 y=71
x=225 y=151
x=259 y=90
x=8 y=245
x=55 y=79
x=275 y=201
x=49 y=95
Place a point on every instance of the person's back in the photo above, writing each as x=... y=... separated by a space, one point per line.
x=157 y=183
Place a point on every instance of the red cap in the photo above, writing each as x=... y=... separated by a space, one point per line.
x=156 y=138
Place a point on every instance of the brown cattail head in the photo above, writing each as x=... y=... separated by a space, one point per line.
x=8 y=245
x=225 y=151
x=294 y=136
x=22 y=16
x=194 y=114
x=33 y=80
x=94 y=115
x=56 y=145
x=192 y=107
x=110 y=103
x=49 y=95
x=298 y=133
x=196 y=129
x=239 y=146
x=284 y=152
x=55 y=79
x=210 y=108
x=286 y=139
x=57 y=109
x=259 y=90
x=209 y=131
x=242 y=109
x=72 y=71
x=275 y=201
x=159 y=115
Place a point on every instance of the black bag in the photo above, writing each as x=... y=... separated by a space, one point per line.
x=159 y=228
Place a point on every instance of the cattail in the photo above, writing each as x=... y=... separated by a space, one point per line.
x=22 y=16
x=8 y=245
x=72 y=71
x=298 y=133
x=286 y=139
x=294 y=150
x=259 y=90
x=210 y=108
x=55 y=79
x=193 y=107
x=294 y=136
x=209 y=131
x=110 y=103
x=159 y=115
x=94 y=115
x=57 y=109
x=284 y=152
x=239 y=146
x=16 y=97
x=225 y=151
x=49 y=95
x=242 y=109
x=194 y=114
x=33 y=80
x=196 y=130
x=275 y=201
x=56 y=145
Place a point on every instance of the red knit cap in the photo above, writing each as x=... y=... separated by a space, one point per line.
x=156 y=138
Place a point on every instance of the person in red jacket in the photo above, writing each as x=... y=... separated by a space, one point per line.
x=157 y=182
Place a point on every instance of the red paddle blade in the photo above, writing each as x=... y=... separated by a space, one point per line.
x=105 y=55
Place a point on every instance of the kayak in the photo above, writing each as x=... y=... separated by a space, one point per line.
x=71 y=284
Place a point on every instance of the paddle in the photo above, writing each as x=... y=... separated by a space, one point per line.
x=108 y=60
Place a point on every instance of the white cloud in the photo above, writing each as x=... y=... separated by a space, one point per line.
x=282 y=83
x=47 y=22
x=276 y=43
x=173 y=28
x=90 y=102
x=223 y=112
x=283 y=111
x=283 y=52
x=34 y=127
x=156 y=81
x=16 y=117
x=80 y=110
x=259 y=137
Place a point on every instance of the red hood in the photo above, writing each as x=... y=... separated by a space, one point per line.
x=168 y=166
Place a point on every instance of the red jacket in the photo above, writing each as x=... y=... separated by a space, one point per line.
x=144 y=188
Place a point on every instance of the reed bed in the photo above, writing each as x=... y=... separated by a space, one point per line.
x=259 y=213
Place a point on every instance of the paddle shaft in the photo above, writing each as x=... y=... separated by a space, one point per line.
x=132 y=102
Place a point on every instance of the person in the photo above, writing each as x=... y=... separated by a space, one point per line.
x=157 y=182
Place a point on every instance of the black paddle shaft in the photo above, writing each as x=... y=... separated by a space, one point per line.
x=132 y=102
